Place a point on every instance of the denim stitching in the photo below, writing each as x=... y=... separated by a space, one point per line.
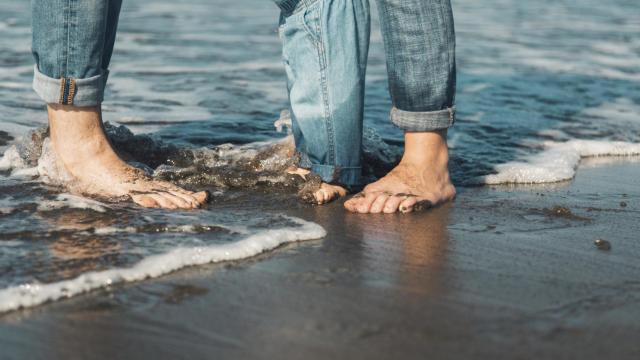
x=316 y=38
x=71 y=91
x=67 y=25
x=451 y=64
x=325 y=92
x=62 y=86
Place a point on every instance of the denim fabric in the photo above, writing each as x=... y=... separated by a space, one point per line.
x=72 y=46
x=325 y=46
x=419 y=42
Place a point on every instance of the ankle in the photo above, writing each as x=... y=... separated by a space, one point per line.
x=77 y=133
x=426 y=148
x=70 y=122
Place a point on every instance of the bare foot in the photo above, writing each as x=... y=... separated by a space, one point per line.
x=82 y=147
x=325 y=193
x=420 y=181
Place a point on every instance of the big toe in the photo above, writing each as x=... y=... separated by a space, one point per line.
x=352 y=204
x=328 y=193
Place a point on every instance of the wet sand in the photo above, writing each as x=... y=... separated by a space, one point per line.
x=504 y=272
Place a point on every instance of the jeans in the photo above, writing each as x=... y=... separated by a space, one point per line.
x=72 y=46
x=325 y=46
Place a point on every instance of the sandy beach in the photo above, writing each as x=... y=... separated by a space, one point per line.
x=503 y=272
x=547 y=95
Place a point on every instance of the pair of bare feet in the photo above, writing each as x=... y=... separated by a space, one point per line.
x=83 y=149
x=421 y=180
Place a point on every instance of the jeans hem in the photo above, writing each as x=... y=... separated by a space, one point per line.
x=347 y=176
x=87 y=92
x=423 y=120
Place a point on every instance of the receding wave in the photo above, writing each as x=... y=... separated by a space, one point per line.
x=34 y=293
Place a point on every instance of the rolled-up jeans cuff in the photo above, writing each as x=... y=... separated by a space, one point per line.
x=423 y=120
x=346 y=176
x=85 y=92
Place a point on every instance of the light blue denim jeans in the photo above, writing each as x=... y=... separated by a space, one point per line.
x=325 y=46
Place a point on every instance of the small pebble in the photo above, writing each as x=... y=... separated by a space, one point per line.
x=602 y=244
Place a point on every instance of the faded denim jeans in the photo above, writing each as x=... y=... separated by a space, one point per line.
x=325 y=46
x=72 y=46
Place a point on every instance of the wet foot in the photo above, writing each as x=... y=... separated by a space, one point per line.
x=321 y=193
x=420 y=181
x=82 y=148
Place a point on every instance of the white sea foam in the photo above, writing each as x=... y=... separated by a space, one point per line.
x=73 y=202
x=11 y=159
x=558 y=162
x=49 y=169
x=32 y=294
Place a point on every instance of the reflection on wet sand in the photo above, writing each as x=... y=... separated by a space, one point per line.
x=403 y=251
x=76 y=250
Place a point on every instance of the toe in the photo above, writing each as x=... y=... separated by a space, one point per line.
x=365 y=205
x=189 y=198
x=378 y=204
x=338 y=192
x=320 y=196
x=392 y=204
x=202 y=197
x=352 y=204
x=328 y=193
x=177 y=201
x=164 y=202
x=145 y=201
x=406 y=206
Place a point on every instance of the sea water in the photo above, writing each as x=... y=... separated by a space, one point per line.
x=196 y=96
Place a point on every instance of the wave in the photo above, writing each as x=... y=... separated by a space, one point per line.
x=33 y=294
x=558 y=162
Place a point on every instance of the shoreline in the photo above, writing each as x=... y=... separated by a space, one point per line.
x=502 y=268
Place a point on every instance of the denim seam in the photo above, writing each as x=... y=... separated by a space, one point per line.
x=67 y=84
x=451 y=64
x=328 y=118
